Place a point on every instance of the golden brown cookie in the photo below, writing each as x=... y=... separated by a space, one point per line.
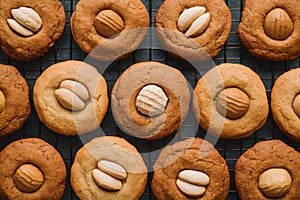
x=31 y=169
x=14 y=100
x=43 y=23
x=285 y=103
x=112 y=163
x=230 y=101
x=190 y=169
x=192 y=32
x=109 y=29
x=150 y=100
x=270 y=29
x=268 y=170
x=71 y=98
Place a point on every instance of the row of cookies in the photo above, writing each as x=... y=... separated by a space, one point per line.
x=109 y=30
x=71 y=98
x=110 y=168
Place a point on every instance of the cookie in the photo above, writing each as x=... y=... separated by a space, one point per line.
x=194 y=30
x=109 y=29
x=268 y=170
x=148 y=103
x=31 y=169
x=268 y=29
x=190 y=169
x=43 y=23
x=230 y=101
x=71 y=98
x=13 y=111
x=108 y=168
x=285 y=103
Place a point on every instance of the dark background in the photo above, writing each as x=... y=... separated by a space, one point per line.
x=66 y=49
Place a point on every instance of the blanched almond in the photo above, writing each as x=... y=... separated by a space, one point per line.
x=77 y=88
x=194 y=177
x=198 y=26
x=106 y=181
x=112 y=169
x=69 y=100
x=188 y=16
x=14 y=25
x=28 y=18
x=190 y=189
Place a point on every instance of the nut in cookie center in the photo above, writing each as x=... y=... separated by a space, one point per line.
x=26 y=21
x=193 y=21
x=2 y=101
x=296 y=105
x=278 y=25
x=232 y=103
x=72 y=95
x=109 y=175
x=192 y=183
x=108 y=23
x=275 y=182
x=151 y=101
x=28 y=178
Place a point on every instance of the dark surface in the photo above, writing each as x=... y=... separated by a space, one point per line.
x=66 y=49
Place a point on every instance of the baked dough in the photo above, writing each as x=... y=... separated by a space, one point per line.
x=195 y=154
x=257 y=42
x=29 y=48
x=55 y=116
x=128 y=86
x=261 y=157
x=230 y=76
x=284 y=91
x=114 y=149
x=39 y=153
x=203 y=47
x=17 y=106
x=136 y=20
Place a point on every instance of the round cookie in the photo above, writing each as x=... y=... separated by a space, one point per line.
x=109 y=29
x=128 y=111
x=71 y=98
x=230 y=101
x=112 y=149
x=260 y=33
x=285 y=103
x=13 y=111
x=27 y=48
x=34 y=152
x=192 y=154
x=266 y=155
x=201 y=46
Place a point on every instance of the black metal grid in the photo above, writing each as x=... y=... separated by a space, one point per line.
x=66 y=49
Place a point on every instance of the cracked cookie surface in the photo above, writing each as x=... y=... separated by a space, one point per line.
x=254 y=38
x=17 y=107
x=29 y=48
x=39 y=153
x=114 y=149
x=199 y=48
x=54 y=115
x=193 y=154
x=261 y=157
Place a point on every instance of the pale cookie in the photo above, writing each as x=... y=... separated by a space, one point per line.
x=71 y=98
x=108 y=168
x=230 y=101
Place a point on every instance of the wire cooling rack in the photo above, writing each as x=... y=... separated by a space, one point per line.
x=66 y=49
